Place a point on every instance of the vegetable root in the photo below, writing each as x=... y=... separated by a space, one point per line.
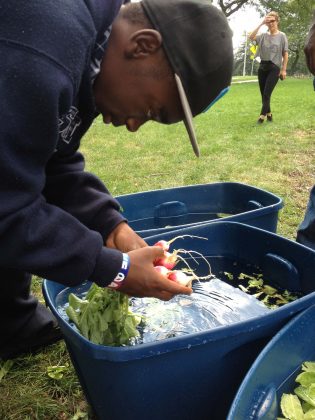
x=166 y=264
x=166 y=244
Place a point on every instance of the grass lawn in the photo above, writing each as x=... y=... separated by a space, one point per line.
x=278 y=157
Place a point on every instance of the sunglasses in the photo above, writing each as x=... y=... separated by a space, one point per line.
x=271 y=21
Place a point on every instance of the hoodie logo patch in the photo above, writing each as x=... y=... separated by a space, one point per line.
x=68 y=123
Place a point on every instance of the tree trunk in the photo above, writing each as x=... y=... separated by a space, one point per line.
x=295 y=62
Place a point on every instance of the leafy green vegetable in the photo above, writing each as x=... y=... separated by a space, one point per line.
x=301 y=406
x=306 y=406
x=291 y=407
x=306 y=394
x=308 y=367
x=309 y=415
x=228 y=275
x=104 y=316
x=256 y=286
x=306 y=379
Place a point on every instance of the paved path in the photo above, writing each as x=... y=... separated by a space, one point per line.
x=244 y=81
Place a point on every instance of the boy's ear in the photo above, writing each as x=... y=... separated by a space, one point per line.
x=143 y=43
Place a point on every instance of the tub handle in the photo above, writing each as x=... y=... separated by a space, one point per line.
x=170 y=209
x=264 y=404
x=281 y=272
x=254 y=205
x=170 y=213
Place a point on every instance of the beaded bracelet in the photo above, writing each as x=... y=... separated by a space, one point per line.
x=122 y=274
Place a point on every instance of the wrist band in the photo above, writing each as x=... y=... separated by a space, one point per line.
x=122 y=274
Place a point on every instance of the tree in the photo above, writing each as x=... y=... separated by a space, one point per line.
x=229 y=7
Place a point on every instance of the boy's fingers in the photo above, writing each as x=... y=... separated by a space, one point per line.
x=174 y=288
x=157 y=251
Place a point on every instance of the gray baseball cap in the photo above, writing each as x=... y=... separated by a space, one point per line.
x=197 y=41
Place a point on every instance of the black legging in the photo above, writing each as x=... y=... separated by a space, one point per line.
x=268 y=76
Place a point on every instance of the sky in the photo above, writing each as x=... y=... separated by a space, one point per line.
x=241 y=21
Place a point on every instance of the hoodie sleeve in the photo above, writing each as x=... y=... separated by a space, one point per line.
x=36 y=235
x=81 y=194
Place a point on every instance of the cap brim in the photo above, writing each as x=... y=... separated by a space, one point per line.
x=188 y=118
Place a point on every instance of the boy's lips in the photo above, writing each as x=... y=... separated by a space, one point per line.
x=107 y=119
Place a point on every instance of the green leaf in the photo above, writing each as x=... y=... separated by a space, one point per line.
x=229 y=275
x=306 y=379
x=80 y=415
x=104 y=316
x=306 y=406
x=255 y=283
x=309 y=415
x=57 y=372
x=5 y=367
x=305 y=395
x=72 y=314
x=291 y=407
x=75 y=301
x=269 y=290
x=308 y=366
x=288 y=295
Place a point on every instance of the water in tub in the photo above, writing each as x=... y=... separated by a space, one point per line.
x=212 y=304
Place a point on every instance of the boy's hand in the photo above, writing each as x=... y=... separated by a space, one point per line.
x=144 y=281
x=124 y=238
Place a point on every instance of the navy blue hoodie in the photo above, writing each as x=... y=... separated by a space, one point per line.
x=54 y=217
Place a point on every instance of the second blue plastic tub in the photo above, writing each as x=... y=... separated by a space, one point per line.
x=159 y=211
x=275 y=370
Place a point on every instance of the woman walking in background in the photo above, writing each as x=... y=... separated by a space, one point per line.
x=273 y=52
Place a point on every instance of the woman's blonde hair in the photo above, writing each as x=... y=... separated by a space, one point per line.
x=275 y=15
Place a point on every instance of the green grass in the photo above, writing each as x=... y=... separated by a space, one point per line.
x=278 y=157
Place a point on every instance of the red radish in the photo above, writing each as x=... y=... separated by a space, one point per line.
x=163 y=244
x=176 y=275
x=179 y=277
x=168 y=260
x=162 y=270
x=165 y=264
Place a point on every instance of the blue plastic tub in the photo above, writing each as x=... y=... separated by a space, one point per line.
x=159 y=211
x=275 y=370
x=194 y=376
